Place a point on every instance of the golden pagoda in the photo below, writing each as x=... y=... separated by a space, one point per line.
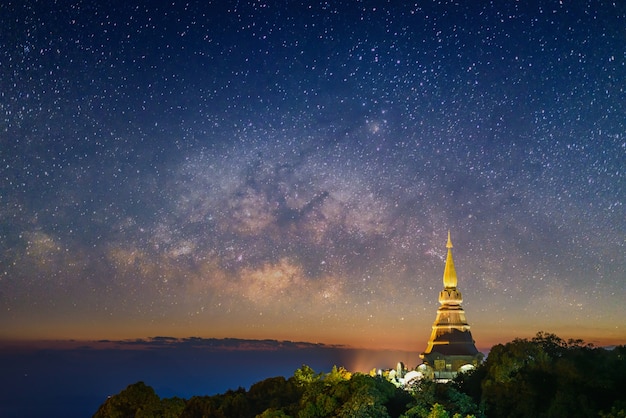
x=451 y=347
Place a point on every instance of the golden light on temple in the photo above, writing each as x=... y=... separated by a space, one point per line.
x=449 y=272
x=451 y=347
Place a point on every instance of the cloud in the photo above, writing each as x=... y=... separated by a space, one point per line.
x=285 y=283
x=217 y=344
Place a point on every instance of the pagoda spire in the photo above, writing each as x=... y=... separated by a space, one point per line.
x=451 y=347
x=449 y=272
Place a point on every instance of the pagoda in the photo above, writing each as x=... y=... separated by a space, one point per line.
x=451 y=348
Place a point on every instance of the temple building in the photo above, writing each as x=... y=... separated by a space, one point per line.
x=451 y=348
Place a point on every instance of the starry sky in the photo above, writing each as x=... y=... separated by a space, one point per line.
x=290 y=169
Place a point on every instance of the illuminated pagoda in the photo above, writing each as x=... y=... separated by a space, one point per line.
x=451 y=348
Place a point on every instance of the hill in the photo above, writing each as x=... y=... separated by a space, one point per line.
x=540 y=377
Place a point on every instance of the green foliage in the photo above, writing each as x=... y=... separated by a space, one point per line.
x=139 y=401
x=341 y=394
x=275 y=393
x=470 y=382
x=172 y=407
x=417 y=411
x=305 y=375
x=541 y=377
x=336 y=375
x=273 y=397
x=549 y=377
x=617 y=411
x=203 y=406
x=273 y=413
x=229 y=404
x=438 y=411
x=447 y=397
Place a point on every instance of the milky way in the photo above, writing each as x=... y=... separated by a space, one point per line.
x=291 y=169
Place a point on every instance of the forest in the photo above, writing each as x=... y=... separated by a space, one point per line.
x=544 y=376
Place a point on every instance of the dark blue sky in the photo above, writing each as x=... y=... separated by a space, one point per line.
x=290 y=170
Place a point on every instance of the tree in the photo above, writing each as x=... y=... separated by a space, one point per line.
x=541 y=377
x=137 y=400
x=337 y=374
x=447 y=396
x=438 y=411
x=275 y=393
x=273 y=413
x=203 y=406
x=305 y=375
x=470 y=382
x=550 y=377
x=617 y=411
x=342 y=394
x=172 y=407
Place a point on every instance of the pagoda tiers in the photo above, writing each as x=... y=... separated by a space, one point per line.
x=451 y=348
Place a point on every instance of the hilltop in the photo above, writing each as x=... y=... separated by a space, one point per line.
x=540 y=377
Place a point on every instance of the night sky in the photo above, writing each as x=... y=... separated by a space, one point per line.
x=290 y=170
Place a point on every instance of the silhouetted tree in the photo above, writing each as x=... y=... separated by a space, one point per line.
x=276 y=393
x=172 y=407
x=137 y=400
x=549 y=377
x=229 y=404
